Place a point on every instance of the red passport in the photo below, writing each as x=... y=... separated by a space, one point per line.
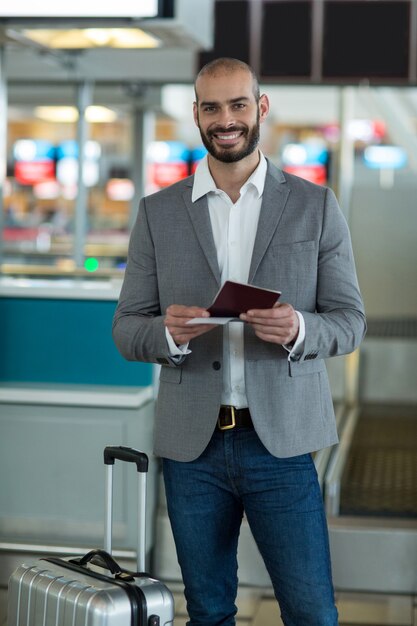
x=236 y=298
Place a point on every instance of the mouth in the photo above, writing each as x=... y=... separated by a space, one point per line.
x=227 y=139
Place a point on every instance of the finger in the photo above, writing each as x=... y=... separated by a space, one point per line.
x=185 y=336
x=275 y=313
x=279 y=308
x=279 y=313
x=280 y=322
x=182 y=311
x=281 y=338
x=275 y=331
x=284 y=332
x=192 y=329
x=180 y=325
x=269 y=338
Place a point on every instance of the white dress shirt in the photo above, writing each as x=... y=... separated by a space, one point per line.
x=234 y=228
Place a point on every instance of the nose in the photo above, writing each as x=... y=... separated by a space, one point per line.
x=226 y=118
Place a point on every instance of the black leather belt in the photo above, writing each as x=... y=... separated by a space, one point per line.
x=230 y=417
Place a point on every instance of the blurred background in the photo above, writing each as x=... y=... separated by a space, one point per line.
x=96 y=111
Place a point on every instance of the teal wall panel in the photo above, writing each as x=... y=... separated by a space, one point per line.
x=63 y=341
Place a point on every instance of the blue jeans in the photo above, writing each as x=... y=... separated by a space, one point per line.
x=283 y=504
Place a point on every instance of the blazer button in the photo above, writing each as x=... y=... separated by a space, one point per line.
x=217 y=365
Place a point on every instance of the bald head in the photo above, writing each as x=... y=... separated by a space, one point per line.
x=224 y=66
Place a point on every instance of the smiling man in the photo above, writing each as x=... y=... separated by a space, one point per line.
x=241 y=408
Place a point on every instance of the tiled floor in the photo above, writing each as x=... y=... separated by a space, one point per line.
x=254 y=608
x=257 y=607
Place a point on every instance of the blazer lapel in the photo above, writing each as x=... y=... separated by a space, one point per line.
x=200 y=218
x=273 y=203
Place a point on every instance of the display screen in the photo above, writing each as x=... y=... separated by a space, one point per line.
x=286 y=40
x=366 y=39
x=231 y=32
x=78 y=8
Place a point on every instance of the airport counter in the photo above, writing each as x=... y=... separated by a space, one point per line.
x=59 y=331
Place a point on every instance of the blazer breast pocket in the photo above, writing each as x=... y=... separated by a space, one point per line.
x=170 y=374
x=295 y=247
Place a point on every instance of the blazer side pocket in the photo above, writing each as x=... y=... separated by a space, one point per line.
x=302 y=368
x=170 y=374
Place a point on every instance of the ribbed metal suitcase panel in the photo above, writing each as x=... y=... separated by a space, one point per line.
x=46 y=594
x=39 y=596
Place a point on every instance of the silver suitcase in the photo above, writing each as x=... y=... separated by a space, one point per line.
x=93 y=590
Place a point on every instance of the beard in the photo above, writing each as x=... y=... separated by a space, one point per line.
x=230 y=154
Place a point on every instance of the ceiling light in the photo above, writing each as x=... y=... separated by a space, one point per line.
x=93 y=114
x=78 y=38
x=57 y=114
x=98 y=36
x=99 y=114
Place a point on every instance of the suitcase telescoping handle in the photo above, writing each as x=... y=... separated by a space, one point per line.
x=121 y=453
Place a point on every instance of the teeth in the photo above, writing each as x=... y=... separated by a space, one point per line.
x=226 y=137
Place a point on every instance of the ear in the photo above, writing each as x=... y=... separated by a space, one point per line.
x=263 y=107
x=195 y=113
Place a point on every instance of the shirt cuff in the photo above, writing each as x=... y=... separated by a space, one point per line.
x=176 y=353
x=298 y=346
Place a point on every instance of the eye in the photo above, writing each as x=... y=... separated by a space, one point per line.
x=239 y=105
x=209 y=108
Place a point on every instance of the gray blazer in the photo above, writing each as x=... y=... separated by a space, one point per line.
x=303 y=249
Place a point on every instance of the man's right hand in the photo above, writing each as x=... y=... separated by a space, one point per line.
x=176 y=318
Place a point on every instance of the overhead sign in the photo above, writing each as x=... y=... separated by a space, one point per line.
x=33 y=150
x=307 y=153
x=168 y=162
x=67 y=163
x=314 y=173
x=388 y=157
x=33 y=172
x=78 y=9
x=33 y=161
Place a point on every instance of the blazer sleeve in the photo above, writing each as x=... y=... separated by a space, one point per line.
x=138 y=328
x=338 y=325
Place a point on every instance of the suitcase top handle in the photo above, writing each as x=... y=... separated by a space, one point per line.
x=103 y=559
x=130 y=455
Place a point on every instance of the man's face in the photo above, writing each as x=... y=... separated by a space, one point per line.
x=228 y=115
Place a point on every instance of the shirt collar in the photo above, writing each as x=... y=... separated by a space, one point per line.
x=204 y=183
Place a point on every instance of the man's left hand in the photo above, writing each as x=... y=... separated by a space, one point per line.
x=277 y=325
